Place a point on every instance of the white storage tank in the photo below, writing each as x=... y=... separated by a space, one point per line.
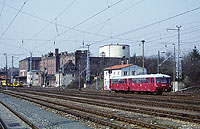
x=114 y=50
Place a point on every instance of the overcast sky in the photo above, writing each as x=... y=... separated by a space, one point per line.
x=41 y=26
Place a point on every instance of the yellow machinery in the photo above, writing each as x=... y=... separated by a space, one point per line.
x=15 y=83
x=3 y=83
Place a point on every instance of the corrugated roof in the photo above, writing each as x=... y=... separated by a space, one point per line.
x=118 y=66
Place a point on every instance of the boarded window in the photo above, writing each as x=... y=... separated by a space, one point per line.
x=125 y=73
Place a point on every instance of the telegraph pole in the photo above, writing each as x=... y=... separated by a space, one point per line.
x=143 y=56
x=30 y=69
x=88 y=66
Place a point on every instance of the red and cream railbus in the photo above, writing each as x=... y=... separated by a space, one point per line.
x=152 y=83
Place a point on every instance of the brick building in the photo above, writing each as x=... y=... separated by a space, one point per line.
x=52 y=62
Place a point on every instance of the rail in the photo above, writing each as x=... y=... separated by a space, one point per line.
x=19 y=116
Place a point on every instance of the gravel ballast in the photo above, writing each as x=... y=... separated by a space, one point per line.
x=41 y=118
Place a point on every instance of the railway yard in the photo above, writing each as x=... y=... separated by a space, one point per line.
x=97 y=109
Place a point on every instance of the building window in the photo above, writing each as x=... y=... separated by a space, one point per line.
x=118 y=72
x=125 y=73
x=133 y=72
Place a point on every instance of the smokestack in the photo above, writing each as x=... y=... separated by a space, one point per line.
x=56 y=51
x=57 y=59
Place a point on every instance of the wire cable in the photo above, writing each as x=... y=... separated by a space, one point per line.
x=103 y=22
x=2 y=8
x=154 y=23
x=82 y=22
x=13 y=19
x=52 y=22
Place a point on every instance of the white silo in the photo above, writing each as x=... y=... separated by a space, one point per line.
x=114 y=50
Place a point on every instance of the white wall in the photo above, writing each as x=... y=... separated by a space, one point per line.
x=64 y=80
x=114 y=50
x=35 y=78
x=134 y=68
x=107 y=77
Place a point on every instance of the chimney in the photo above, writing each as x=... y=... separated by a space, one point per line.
x=126 y=61
x=56 y=51
x=122 y=62
x=57 y=59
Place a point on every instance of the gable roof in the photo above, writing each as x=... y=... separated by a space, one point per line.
x=118 y=67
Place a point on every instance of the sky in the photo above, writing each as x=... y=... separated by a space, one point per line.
x=40 y=26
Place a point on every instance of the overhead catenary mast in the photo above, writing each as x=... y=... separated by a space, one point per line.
x=12 y=72
x=30 y=69
x=88 y=65
x=178 y=58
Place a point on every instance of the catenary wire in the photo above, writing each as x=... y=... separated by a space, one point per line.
x=13 y=19
x=81 y=22
x=52 y=22
x=152 y=24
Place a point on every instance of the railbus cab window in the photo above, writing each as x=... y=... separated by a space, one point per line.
x=162 y=80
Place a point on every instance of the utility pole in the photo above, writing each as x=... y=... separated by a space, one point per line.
x=88 y=66
x=30 y=69
x=143 y=56
x=12 y=72
x=6 y=69
x=59 y=78
x=174 y=69
x=97 y=83
x=79 y=79
x=158 y=62
x=178 y=60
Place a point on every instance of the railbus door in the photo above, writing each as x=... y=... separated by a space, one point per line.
x=152 y=87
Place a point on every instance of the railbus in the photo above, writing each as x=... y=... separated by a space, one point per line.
x=150 y=83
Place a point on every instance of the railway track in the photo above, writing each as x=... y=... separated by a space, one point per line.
x=138 y=101
x=4 y=126
x=168 y=97
x=93 y=115
x=161 y=98
x=142 y=110
x=138 y=109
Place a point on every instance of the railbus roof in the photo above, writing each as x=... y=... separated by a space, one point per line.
x=141 y=76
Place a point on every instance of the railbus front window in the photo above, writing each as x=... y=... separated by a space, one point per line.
x=163 y=80
x=158 y=80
